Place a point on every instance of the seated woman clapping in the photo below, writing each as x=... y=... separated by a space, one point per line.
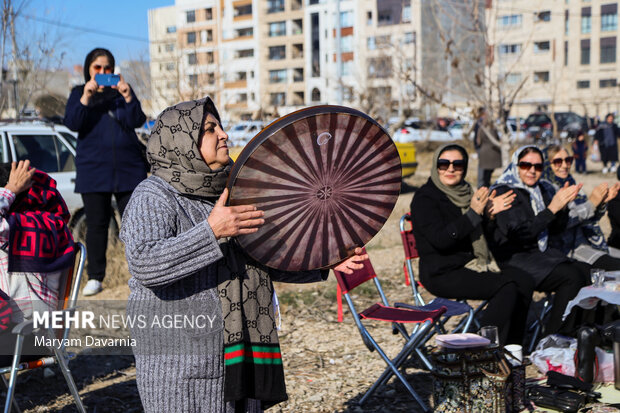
x=583 y=239
x=455 y=261
x=520 y=235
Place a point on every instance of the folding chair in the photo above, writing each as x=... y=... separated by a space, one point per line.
x=67 y=298
x=382 y=311
x=537 y=326
x=453 y=307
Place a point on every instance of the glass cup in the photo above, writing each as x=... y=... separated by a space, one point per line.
x=597 y=276
x=490 y=332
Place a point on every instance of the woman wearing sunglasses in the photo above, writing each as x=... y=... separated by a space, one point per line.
x=109 y=159
x=520 y=235
x=455 y=261
x=583 y=239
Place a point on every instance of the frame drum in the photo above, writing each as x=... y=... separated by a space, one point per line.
x=327 y=178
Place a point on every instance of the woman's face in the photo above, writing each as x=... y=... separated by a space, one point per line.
x=450 y=166
x=560 y=164
x=213 y=146
x=100 y=65
x=530 y=168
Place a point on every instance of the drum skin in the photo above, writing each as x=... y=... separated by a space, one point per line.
x=327 y=178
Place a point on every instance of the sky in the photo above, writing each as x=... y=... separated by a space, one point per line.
x=78 y=26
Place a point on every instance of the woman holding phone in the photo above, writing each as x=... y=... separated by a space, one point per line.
x=109 y=159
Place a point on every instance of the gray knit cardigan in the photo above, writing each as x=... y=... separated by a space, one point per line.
x=172 y=254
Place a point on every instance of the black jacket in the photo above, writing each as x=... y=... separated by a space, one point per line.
x=613 y=212
x=442 y=231
x=513 y=235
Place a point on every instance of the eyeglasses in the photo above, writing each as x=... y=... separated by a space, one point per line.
x=526 y=166
x=106 y=69
x=558 y=161
x=444 y=164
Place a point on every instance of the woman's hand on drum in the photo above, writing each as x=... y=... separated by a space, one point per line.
x=497 y=204
x=234 y=220
x=352 y=263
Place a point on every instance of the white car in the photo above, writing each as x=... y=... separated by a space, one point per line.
x=408 y=134
x=50 y=148
x=241 y=133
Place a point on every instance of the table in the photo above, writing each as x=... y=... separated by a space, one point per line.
x=588 y=297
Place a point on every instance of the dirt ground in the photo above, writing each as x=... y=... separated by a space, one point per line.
x=326 y=364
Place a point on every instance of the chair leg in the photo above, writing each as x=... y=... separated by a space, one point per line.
x=15 y=405
x=392 y=369
x=64 y=367
x=19 y=343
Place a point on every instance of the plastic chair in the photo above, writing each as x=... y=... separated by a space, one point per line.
x=382 y=311
x=67 y=298
x=453 y=307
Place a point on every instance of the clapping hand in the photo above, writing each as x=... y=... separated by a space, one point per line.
x=563 y=197
x=613 y=192
x=497 y=204
x=599 y=194
x=479 y=200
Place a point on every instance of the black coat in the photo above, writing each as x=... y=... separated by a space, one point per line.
x=608 y=153
x=613 y=212
x=442 y=231
x=513 y=235
x=109 y=157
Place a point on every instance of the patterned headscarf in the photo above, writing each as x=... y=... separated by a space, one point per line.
x=590 y=228
x=174 y=154
x=511 y=178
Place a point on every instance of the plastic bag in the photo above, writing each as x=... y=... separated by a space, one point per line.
x=605 y=366
x=595 y=153
x=556 y=353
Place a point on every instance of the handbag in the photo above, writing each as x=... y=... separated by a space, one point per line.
x=559 y=399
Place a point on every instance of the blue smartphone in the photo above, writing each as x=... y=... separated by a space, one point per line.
x=107 y=79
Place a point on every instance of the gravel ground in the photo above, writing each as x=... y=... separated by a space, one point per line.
x=327 y=366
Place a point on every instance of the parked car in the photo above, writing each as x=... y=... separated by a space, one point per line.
x=244 y=131
x=50 y=148
x=539 y=123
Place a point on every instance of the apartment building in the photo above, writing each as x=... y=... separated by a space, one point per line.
x=163 y=50
x=562 y=52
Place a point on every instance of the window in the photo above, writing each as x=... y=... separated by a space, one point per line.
x=298 y=74
x=347 y=68
x=407 y=14
x=170 y=66
x=409 y=38
x=245 y=32
x=346 y=19
x=583 y=84
x=191 y=59
x=209 y=14
x=297 y=27
x=370 y=43
x=277 y=52
x=190 y=16
x=541 y=77
x=609 y=17
x=346 y=44
x=210 y=57
x=509 y=48
x=275 y=6
x=585 y=52
x=244 y=10
x=45 y=152
x=586 y=20
x=277 y=29
x=277 y=76
x=169 y=47
x=542 y=47
x=245 y=53
x=608 y=49
x=171 y=29
x=509 y=21
x=380 y=67
x=191 y=38
x=193 y=80
x=369 y=18
x=316 y=95
x=277 y=99
x=513 y=78
x=603 y=83
x=566 y=25
x=543 y=16
x=206 y=36
x=384 y=17
x=566 y=53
